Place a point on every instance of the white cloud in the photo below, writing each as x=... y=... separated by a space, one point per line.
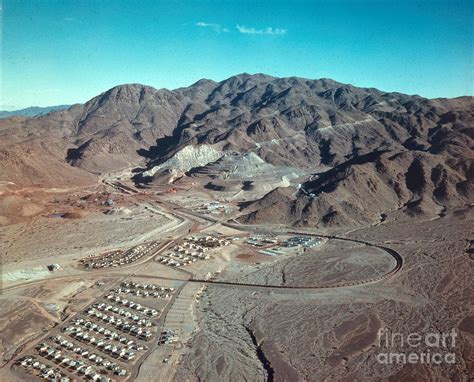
x=218 y=28
x=267 y=31
x=215 y=27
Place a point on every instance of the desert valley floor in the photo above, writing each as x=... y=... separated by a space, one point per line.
x=253 y=305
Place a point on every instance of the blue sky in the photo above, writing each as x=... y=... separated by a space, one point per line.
x=67 y=51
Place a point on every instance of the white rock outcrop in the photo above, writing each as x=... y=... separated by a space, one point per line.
x=188 y=158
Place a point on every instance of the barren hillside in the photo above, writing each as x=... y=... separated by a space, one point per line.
x=371 y=153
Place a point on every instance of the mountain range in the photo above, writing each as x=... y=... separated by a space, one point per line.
x=31 y=111
x=368 y=154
